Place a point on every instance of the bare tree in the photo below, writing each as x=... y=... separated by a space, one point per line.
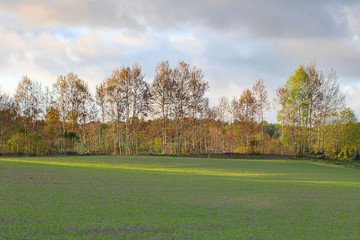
x=100 y=98
x=29 y=100
x=127 y=90
x=162 y=97
x=70 y=93
x=61 y=103
x=181 y=76
x=114 y=97
x=197 y=100
x=86 y=110
x=125 y=81
x=333 y=102
x=222 y=112
x=263 y=105
x=315 y=98
x=140 y=102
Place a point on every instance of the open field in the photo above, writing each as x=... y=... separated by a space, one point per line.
x=137 y=197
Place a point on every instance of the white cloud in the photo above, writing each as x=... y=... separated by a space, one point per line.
x=37 y=12
x=129 y=39
x=352 y=96
x=353 y=18
x=92 y=45
x=50 y=45
x=189 y=44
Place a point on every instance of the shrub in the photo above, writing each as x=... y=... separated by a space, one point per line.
x=347 y=152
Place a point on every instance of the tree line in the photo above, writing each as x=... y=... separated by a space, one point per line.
x=172 y=115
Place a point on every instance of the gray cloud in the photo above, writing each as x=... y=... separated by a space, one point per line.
x=234 y=42
x=261 y=18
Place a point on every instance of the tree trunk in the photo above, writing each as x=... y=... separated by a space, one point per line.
x=355 y=155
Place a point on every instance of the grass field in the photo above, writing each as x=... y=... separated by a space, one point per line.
x=137 y=197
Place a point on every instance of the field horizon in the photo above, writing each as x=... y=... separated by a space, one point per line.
x=152 y=197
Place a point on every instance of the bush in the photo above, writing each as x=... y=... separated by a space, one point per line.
x=347 y=152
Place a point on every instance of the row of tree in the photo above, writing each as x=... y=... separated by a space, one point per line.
x=171 y=115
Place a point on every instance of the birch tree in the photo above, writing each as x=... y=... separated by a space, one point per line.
x=181 y=76
x=29 y=101
x=244 y=111
x=263 y=105
x=162 y=97
x=198 y=86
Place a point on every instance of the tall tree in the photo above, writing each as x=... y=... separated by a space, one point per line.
x=283 y=113
x=197 y=100
x=222 y=111
x=61 y=104
x=315 y=97
x=126 y=83
x=70 y=93
x=140 y=103
x=115 y=99
x=181 y=76
x=102 y=103
x=86 y=110
x=244 y=111
x=309 y=100
x=297 y=87
x=263 y=105
x=29 y=100
x=162 y=97
x=128 y=96
x=333 y=102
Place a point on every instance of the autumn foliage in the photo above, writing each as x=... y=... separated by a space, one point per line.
x=172 y=115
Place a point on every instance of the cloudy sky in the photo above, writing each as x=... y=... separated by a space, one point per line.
x=235 y=42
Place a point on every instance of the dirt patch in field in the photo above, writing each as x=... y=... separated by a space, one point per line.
x=114 y=230
x=224 y=203
x=98 y=231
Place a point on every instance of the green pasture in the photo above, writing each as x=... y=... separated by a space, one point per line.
x=139 y=197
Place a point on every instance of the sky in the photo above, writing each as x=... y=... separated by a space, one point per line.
x=235 y=42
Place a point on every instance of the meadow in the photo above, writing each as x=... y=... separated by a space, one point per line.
x=150 y=197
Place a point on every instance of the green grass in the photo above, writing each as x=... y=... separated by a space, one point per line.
x=176 y=198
